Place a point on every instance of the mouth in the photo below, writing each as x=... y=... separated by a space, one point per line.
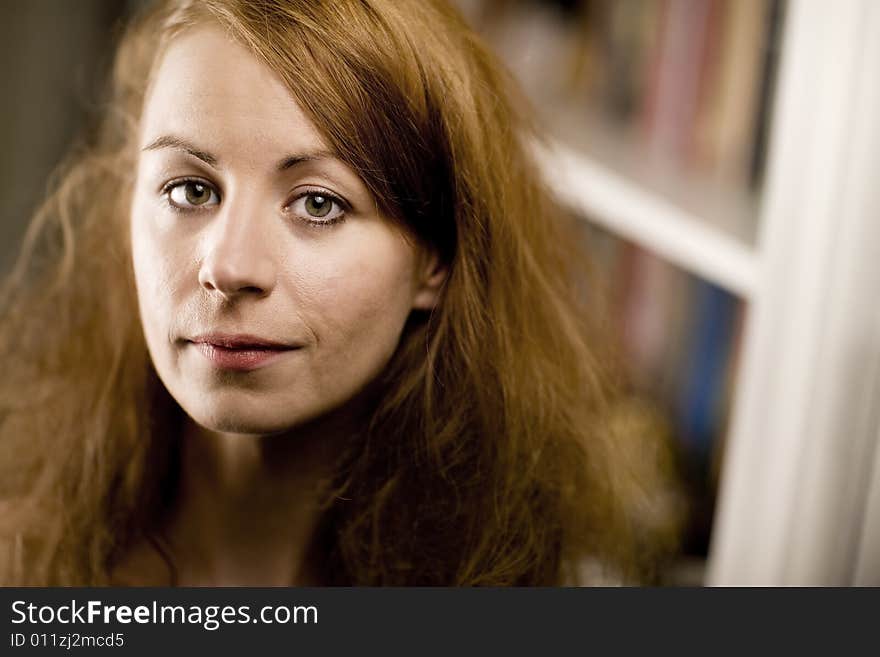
x=240 y=352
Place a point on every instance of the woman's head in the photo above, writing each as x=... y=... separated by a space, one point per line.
x=249 y=231
x=392 y=105
x=348 y=181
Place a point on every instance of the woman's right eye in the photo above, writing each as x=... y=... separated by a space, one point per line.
x=191 y=194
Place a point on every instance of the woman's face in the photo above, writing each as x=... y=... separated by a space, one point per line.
x=271 y=289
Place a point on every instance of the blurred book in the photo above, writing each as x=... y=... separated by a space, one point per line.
x=686 y=30
x=680 y=337
x=726 y=122
x=693 y=78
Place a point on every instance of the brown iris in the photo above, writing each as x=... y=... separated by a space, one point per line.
x=317 y=205
x=197 y=193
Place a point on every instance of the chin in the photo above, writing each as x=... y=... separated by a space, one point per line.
x=239 y=425
x=245 y=418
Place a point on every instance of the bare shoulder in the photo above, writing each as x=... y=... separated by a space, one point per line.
x=592 y=572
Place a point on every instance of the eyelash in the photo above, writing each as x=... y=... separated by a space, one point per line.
x=313 y=191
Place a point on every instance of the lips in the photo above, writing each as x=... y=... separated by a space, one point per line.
x=240 y=352
x=240 y=341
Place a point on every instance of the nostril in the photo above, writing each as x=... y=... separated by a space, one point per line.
x=235 y=272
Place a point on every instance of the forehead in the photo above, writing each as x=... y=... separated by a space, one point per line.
x=212 y=89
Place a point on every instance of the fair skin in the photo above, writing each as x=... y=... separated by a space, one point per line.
x=272 y=292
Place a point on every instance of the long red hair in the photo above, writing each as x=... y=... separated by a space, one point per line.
x=495 y=454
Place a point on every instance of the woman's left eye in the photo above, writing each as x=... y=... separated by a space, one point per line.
x=318 y=208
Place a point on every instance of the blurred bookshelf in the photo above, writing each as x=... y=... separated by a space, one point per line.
x=690 y=137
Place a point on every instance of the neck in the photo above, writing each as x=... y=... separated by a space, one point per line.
x=248 y=507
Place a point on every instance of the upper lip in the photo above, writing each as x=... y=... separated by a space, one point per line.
x=240 y=341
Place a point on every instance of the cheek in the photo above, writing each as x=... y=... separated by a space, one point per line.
x=158 y=269
x=362 y=302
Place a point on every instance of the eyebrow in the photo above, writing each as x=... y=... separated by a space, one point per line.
x=176 y=143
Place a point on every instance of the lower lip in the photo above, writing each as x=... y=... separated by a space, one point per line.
x=240 y=360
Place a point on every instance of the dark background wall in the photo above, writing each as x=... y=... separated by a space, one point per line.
x=54 y=55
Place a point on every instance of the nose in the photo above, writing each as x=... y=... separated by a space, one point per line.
x=238 y=260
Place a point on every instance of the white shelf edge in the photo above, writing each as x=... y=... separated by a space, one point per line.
x=630 y=211
x=796 y=480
